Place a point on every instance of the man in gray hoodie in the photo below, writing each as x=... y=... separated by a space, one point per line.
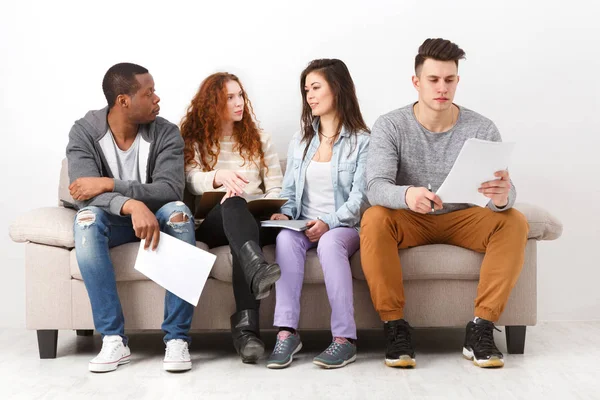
x=127 y=180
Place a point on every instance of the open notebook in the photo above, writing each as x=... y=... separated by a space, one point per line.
x=258 y=205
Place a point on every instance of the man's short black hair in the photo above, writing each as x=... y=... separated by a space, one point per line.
x=120 y=79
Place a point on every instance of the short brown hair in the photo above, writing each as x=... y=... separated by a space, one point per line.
x=438 y=49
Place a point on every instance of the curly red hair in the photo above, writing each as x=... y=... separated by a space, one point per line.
x=202 y=124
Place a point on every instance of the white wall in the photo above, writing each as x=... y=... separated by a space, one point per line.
x=532 y=67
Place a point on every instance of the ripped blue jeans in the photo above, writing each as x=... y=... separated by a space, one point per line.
x=96 y=231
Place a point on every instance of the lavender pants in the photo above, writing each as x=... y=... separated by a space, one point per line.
x=334 y=249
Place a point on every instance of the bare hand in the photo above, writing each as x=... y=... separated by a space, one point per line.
x=232 y=181
x=316 y=229
x=144 y=222
x=419 y=200
x=498 y=189
x=85 y=188
x=279 y=217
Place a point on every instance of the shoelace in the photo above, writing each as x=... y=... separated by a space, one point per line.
x=335 y=345
x=109 y=349
x=177 y=347
x=484 y=336
x=399 y=337
x=280 y=344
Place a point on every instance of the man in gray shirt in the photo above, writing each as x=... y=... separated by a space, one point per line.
x=127 y=180
x=414 y=147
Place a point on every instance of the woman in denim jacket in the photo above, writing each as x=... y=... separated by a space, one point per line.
x=325 y=185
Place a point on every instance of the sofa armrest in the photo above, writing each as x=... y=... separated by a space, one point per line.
x=542 y=224
x=51 y=226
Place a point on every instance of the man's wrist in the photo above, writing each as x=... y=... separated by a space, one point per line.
x=406 y=195
x=500 y=206
x=109 y=185
x=129 y=206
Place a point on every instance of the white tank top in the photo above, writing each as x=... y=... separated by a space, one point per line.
x=318 y=197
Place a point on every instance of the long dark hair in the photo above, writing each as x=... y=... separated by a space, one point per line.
x=347 y=109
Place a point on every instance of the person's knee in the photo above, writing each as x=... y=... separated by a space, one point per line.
x=178 y=215
x=376 y=220
x=234 y=202
x=374 y=215
x=516 y=223
x=89 y=227
x=287 y=239
x=331 y=242
x=88 y=217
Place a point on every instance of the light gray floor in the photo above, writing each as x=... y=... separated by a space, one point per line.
x=561 y=361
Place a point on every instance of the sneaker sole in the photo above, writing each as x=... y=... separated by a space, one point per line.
x=281 y=366
x=109 y=367
x=491 y=363
x=177 y=366
x=272 y=275
x=333 y=366
x=402 y=362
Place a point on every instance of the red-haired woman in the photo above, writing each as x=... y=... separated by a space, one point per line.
x=225 y=150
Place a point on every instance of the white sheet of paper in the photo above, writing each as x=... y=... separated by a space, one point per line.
x=177 y=266
x=476 y=163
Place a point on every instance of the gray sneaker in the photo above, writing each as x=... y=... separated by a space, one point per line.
x=339 y=354
x=287 y=345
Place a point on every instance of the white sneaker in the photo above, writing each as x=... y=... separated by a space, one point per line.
x=113 y=354
x=177 y=356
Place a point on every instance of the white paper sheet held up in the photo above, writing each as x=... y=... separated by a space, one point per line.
x=476 y=163
x=177 y=266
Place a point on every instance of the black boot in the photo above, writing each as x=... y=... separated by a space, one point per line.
x=245 y=331
x=260 y=275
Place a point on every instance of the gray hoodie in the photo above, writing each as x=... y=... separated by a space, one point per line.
x=160 y=156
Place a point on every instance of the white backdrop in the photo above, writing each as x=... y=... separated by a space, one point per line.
x=532 y=67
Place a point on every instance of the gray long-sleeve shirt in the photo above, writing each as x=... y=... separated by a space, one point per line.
x=403 y=153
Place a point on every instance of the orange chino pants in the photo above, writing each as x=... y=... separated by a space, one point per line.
x=502 y=236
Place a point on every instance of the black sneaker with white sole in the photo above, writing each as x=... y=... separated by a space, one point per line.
x=399 y=351
x=479 y=344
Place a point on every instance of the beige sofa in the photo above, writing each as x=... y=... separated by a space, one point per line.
x=440 y=283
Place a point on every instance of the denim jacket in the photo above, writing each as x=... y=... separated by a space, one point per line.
x=348 y=163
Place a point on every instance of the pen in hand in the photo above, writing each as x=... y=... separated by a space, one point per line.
x=431 y=201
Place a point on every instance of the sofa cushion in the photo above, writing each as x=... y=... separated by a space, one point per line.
x=542 y=224
x=222 y=269
x=434 y=261
x=123 y=258
x=52 y=226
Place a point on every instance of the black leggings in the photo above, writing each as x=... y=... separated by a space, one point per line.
x=232 y=224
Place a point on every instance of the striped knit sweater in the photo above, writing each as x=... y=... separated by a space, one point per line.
x=198 y=181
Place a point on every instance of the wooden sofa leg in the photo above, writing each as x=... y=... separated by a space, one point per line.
x=515 y=339
x=47 y=342
x=85 y=332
